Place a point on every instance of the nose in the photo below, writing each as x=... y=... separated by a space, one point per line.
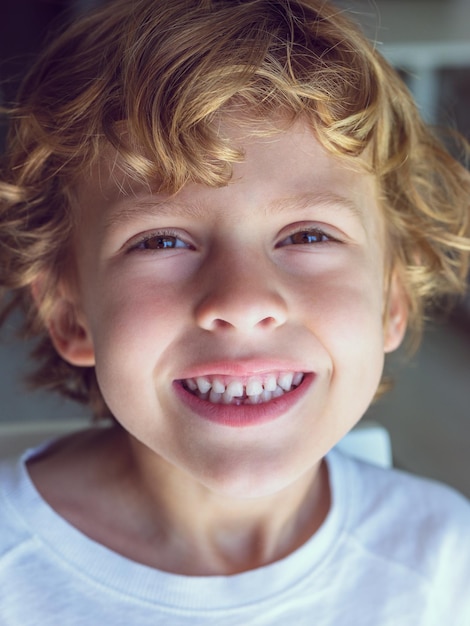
x=241 y=292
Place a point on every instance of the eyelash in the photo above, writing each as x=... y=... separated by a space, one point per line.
x=165 y=234
x=324 y=237
x=139 y=245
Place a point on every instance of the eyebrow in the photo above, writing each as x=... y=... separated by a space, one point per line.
x=150 y=207
x=326 y=200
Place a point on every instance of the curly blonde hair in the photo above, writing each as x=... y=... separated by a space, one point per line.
x=165 y=71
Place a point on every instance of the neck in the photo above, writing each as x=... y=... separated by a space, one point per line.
x=199 y=532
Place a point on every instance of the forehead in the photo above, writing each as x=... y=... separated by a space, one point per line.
x=280 y=171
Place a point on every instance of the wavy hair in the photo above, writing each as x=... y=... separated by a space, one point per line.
x=151 y=78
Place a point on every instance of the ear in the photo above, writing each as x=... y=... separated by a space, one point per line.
x=70 y=335
x=396 y=314
x=67 y=327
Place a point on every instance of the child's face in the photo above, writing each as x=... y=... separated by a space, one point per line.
x=280 y=271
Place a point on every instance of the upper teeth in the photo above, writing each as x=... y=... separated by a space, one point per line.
x=253 y=389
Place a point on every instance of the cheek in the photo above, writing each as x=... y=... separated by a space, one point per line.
x=132 y=325
x=126 y=310
x=344 y=310
x=348 y=293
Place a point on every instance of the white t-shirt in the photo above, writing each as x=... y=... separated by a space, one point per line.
x=394 y=550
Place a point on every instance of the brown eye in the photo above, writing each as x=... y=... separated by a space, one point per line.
x=309 y=236
x=160 y=242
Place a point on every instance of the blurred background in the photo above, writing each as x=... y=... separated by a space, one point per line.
x=427 y=413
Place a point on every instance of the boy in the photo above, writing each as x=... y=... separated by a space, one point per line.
x=218 y=217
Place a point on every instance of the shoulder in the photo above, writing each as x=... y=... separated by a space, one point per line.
x=409 y=522
x=406 y=497
x=391 y=498
x=28 y=484
x=404 y=545
x=14 y=529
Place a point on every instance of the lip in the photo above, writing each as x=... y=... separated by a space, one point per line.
x=243 y=368
x=242 y=416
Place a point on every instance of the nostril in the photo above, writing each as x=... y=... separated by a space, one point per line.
x=267 y=321
x=227 y=308
x=221 y=324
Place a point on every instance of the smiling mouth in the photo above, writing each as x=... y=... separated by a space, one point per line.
x=251 y=390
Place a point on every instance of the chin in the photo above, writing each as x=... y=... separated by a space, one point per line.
x=255 y=481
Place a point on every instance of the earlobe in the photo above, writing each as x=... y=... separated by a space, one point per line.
x=396 y=315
